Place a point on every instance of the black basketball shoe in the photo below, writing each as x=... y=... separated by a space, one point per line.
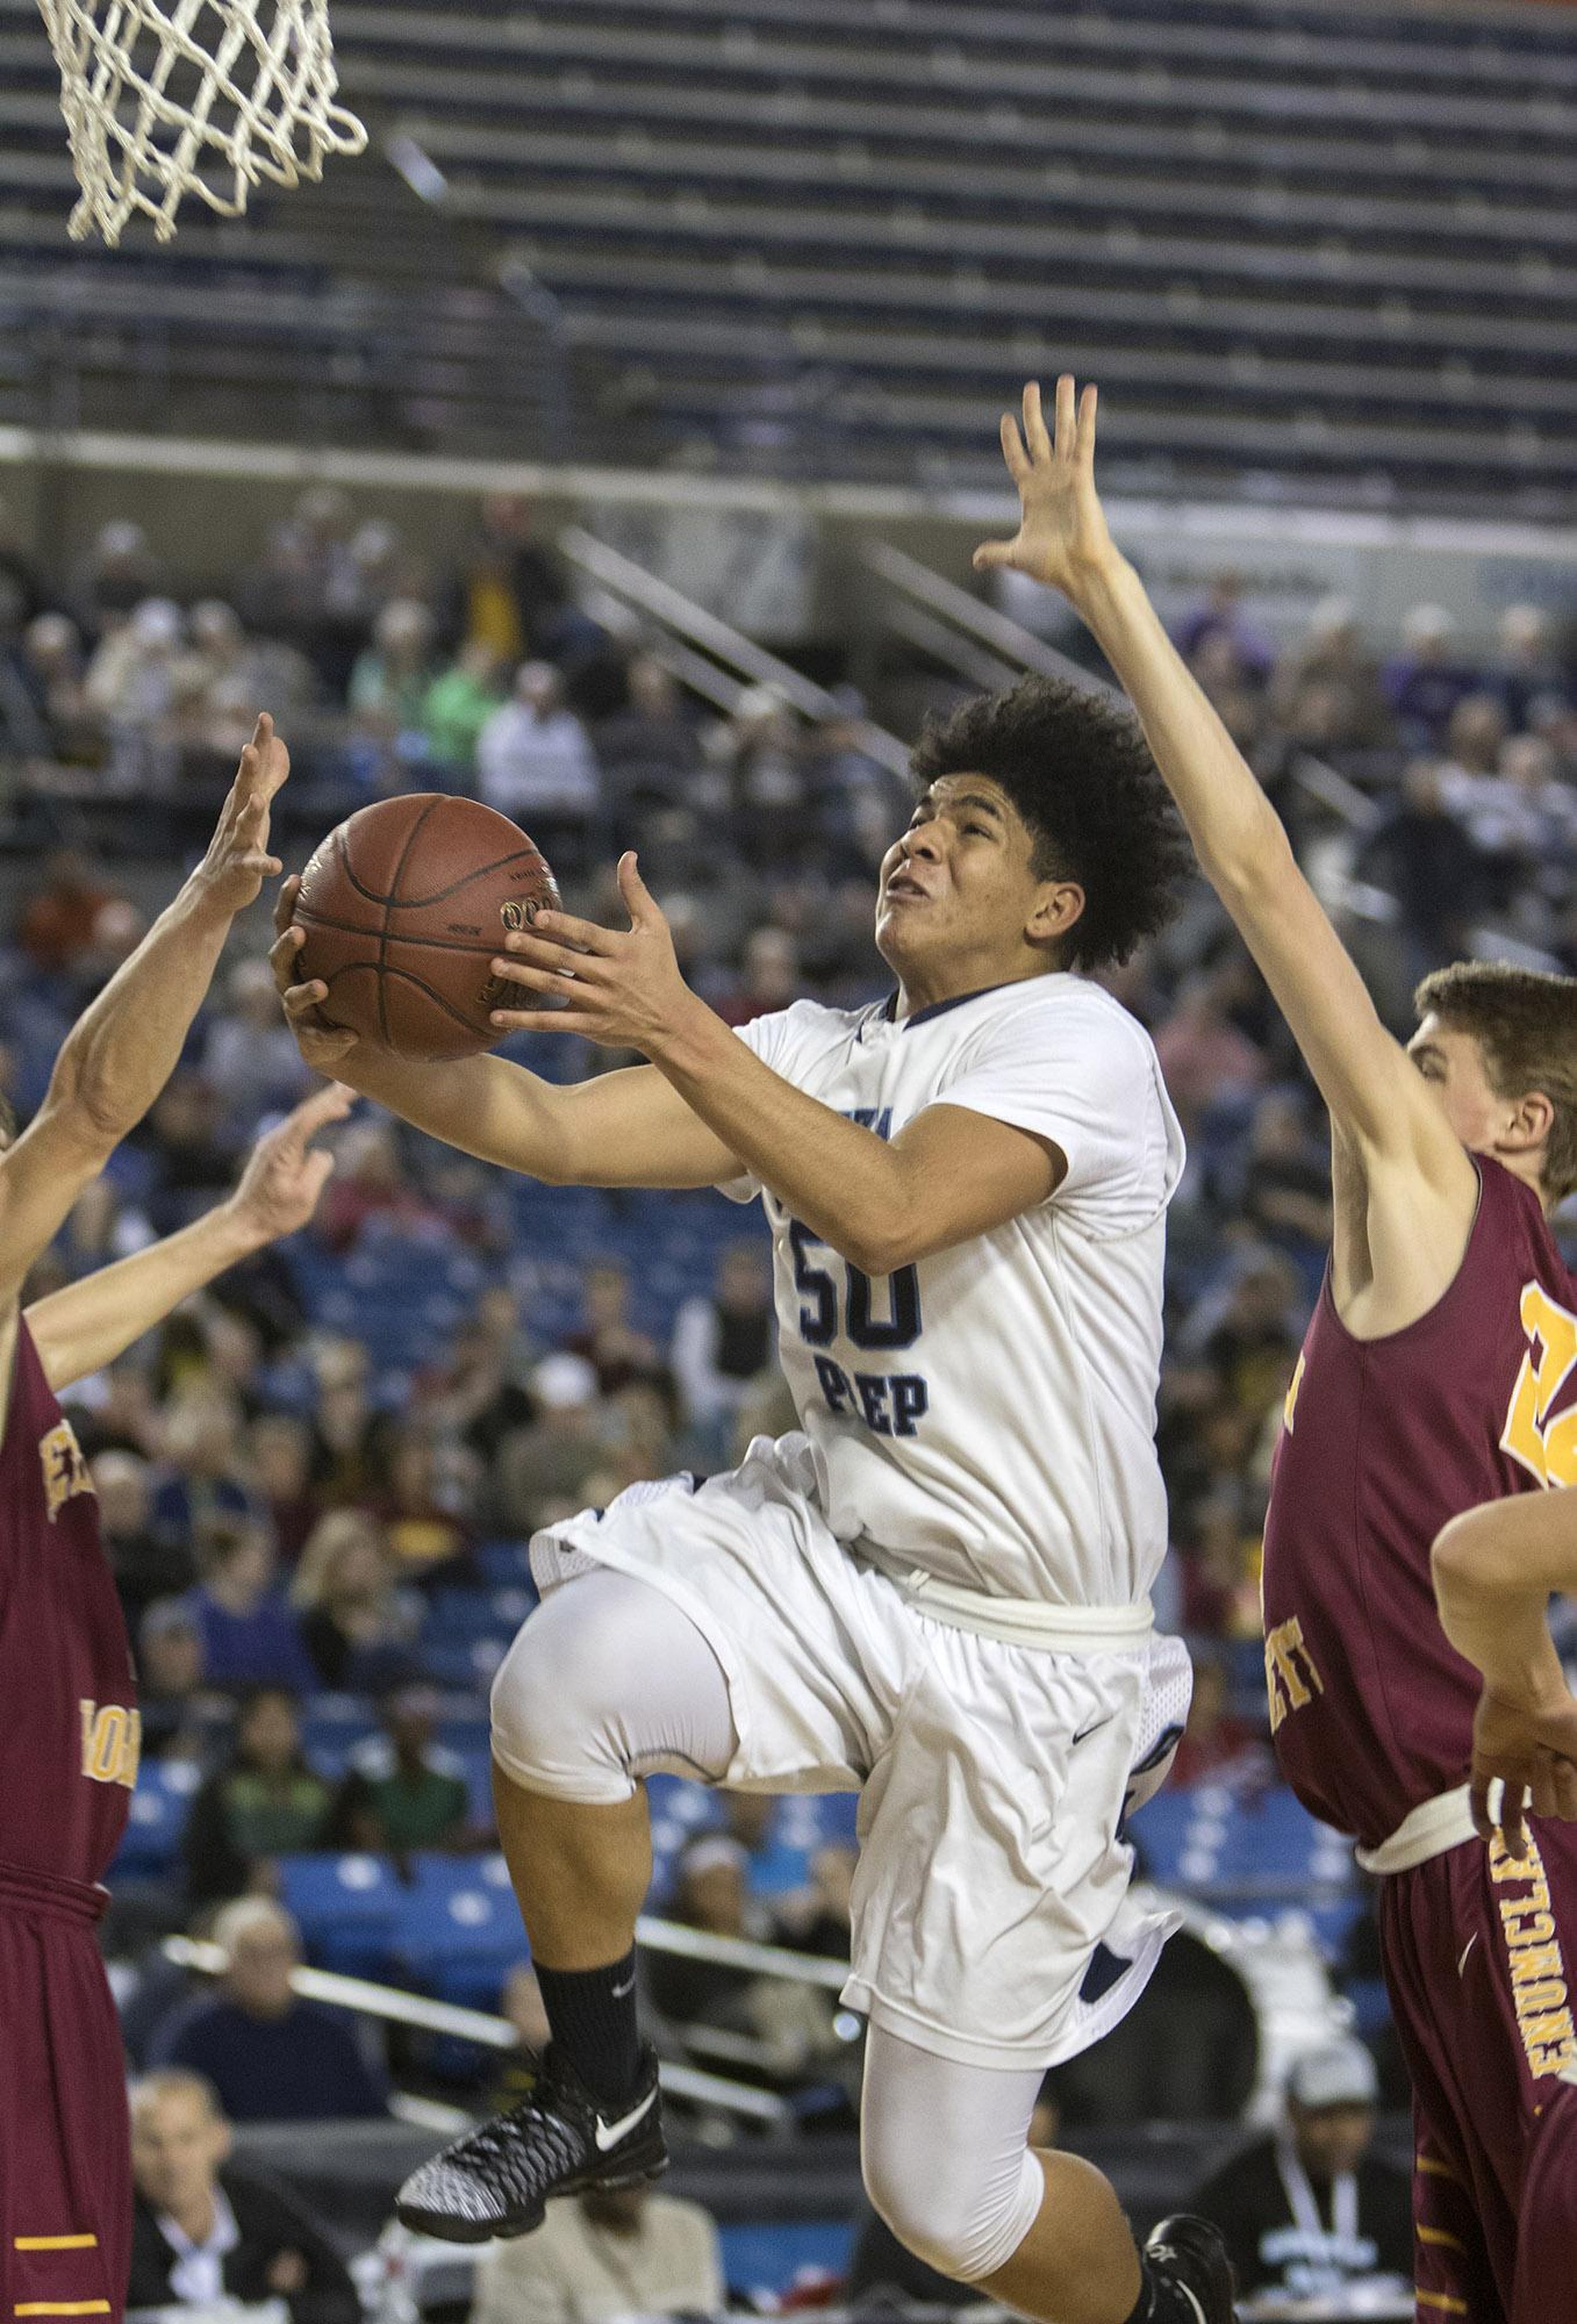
x=1189 y=2256
x=497 y=2179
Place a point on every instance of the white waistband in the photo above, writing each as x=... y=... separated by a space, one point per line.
x=1016 y=1622
x=1432 y=1828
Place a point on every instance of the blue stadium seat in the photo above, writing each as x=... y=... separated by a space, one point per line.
x=159 y=1810
x=347 y=1907
x=458 y=1934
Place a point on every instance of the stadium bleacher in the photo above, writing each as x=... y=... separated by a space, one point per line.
x=1295 y=241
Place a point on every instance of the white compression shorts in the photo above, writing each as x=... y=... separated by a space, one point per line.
x=610 y=1681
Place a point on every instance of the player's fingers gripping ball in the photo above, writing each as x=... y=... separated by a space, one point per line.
x=404 y=906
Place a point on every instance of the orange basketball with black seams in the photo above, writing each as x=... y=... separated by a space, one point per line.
x=405 y=905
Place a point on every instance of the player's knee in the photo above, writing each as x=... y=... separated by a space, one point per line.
x=945 y=2217
x=554 y=1715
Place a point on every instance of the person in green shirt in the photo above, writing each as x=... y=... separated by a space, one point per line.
x=458 y=703
x=402 y=1789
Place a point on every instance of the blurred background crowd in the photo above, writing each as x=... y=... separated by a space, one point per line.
x=318 y=1478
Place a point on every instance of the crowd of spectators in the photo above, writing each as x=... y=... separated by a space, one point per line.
x=288 y=1501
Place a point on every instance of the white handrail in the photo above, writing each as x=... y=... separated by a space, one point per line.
x=665 y=604
x=1018 y=647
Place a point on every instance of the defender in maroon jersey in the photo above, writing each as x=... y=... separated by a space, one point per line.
x=69 y=1728
x=1438 y=1372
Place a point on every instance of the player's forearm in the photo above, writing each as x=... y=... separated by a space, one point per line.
x=1494 y=1570
x=125 y=1046
x=1236 y=832
x=838 y=1179
x=483 y=1105
x=87 y=1324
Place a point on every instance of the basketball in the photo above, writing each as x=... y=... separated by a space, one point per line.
x=405 y=905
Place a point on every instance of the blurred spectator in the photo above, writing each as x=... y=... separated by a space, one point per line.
x=534 y=763
x=510 y=593
x=818 y=1918
x=1326 y=691
x=147 y=1562
x=178 y=1711
x=61 y=920
x=1216 y=1747
x=225 y=677
x=1204 y=1056
x=18 y=573
x=132 y=687
x=48 y=716
x=723 y=1343
x=271 y=2056
x=761 y=751
x=1424 y=683
x=250 y=1058
x=116 y=577
x=402 y=1789
x=356 y=1623
x=250 y=1636
x=428 y=1540
x=711 y=1892
x=204 y=2230
x=1220 y=617
x=616 y=1352
x=1220 y=1574
x=388 y=685
x=191 y=1149
x=1286 y=1185
x=477 y=1393
x=650 y=751
x=1308 y=2209
x=370 y=1188
x=458 y=703
x=615 y=2251
x=1525 y=676
x=348 y=1434
x=268 y=1801
x=550 y=1460
x=771 y=978
x=1420 y=853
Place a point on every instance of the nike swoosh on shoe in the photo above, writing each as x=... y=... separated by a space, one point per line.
x=609 y=2134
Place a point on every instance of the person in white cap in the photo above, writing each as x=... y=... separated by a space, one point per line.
x=1309 y=2208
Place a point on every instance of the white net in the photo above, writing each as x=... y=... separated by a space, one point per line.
x=198 y=96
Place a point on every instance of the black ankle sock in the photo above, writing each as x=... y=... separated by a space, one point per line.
x=591 y=2013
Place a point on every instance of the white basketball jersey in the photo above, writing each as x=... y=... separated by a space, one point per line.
x=988 y=1415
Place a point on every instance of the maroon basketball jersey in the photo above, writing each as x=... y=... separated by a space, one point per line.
x=69 y=1728
x=1371 y=1708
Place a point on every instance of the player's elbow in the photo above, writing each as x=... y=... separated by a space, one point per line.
x=1457 y=1558
x=81 y=1111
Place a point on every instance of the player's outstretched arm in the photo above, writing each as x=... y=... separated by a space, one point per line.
x=623 y=1129
x=122 y=1050
x=1373 y=1092
x=87 y=1324
x=1494 y=1568
x=949 y=1175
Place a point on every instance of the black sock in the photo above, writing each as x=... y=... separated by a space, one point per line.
x=591 y=2013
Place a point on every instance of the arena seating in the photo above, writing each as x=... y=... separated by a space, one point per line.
x=1292 y=241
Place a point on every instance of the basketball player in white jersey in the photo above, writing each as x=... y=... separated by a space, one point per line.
x=935 y=1590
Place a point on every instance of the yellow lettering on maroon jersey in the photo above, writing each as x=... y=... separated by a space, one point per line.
x=1539 y=1991
x=1293 y=1386
x=65 y=1469
x=1291 y=1676
x=112 y=1743
x=1545 y=1446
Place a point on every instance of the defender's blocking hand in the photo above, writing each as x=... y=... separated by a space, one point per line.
x=238 y=862
x=285 y=1173
x=1062 y=538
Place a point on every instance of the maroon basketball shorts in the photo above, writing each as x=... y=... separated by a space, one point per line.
x=65 y=2162
x=1477 y=1948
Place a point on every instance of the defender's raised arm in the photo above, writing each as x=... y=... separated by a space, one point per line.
x=1374 y=1093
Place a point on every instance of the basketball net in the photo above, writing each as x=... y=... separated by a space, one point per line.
x=197 y=96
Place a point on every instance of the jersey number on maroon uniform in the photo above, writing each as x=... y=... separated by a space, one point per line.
x=1545 y=1446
